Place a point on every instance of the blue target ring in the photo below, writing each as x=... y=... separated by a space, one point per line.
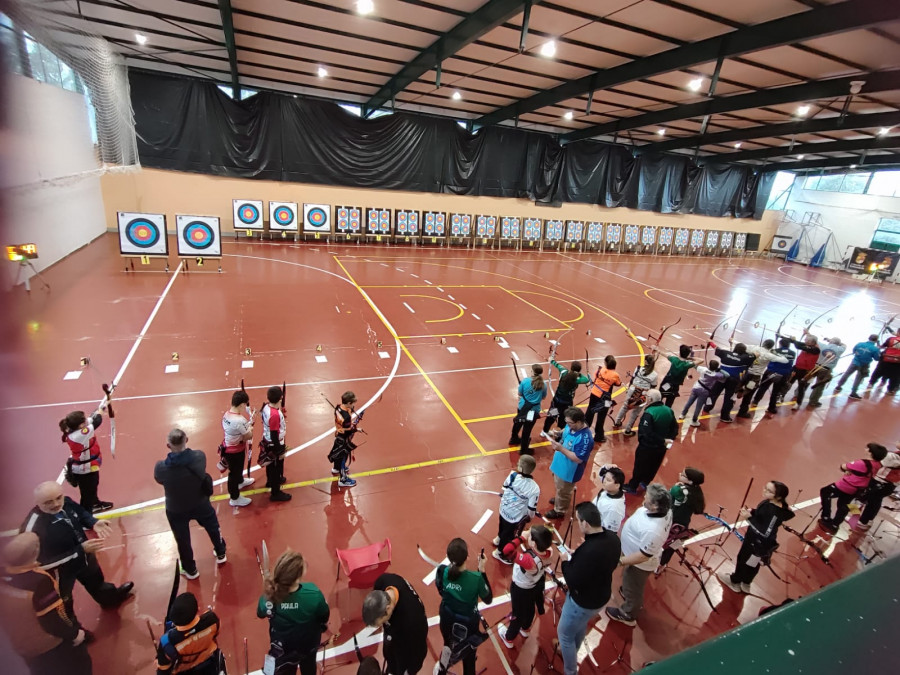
x=248 y=214
x=316 y=217
x=142 y=233
x=199 y=235
x=283 y=215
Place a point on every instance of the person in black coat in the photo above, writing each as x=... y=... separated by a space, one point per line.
x=60 y=525
x=188 y=488
x=395 y=607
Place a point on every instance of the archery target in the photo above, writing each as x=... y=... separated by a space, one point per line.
x=631 y=234
x=613 y=233
x=248 y=214
x=595 y=233
x=509 y=228
x=740 y=241
x=378 y=221
x=406 y=222
x=648 y=236
x=486 y=226
x=460 y=225
x=696 y=238
x=316 y=218
x=712 y=239
x=554 y=230
x=532 y=229
x=347 y=219
x=666 y=235
x=142 y=234
x=574 y=230
x=727 y=238
x=435 y=223
x=681 y=237
x=198 y=236
x=283 y=217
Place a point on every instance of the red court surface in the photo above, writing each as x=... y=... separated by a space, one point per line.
x=427 y=337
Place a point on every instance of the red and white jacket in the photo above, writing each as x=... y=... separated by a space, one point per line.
x=274 y=424
x=84 y=447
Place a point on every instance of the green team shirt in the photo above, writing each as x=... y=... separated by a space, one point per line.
x=461 y=595
x=302 y=612
x=679 y=370
x=582 y=379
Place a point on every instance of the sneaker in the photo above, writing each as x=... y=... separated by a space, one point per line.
x=862 y=527
x=247 y=481
x=796 y=406
x=707 y=409
x=727 y=420
x=601 y=441
x=240 y=501
x=346 y=482
x=617 y=425
x=221 y=558
x=502 y=558
x=854 y=396
x=628 y=432
x=335 y=472
x=813 y=405
x=771 y=411
x=617 y=614
x=279 y=497
x=828 y=526
x=837 y=390
x=745 y=588
x=514 y=441
x=496 y=540
x=501 y=633
x=725 y=578
x=190 y=574
x=553 y=514
x=695 y=423
x=524 y=633
x=745 y=415
x=99 y=507
x=680 y=418
x=630 y=490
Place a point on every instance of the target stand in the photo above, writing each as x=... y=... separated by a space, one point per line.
x=198 y=238
x=143 y=236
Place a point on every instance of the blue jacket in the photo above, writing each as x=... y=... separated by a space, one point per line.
x=529 y=399
x=864 y=353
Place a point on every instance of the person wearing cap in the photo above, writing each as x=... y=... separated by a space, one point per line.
x=657 y=427
x=192 y=644
x=60 y=525
x=34 y=616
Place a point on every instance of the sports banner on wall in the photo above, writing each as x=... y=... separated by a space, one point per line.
x=142 y=234
x=248 y=214
x=198 y=236
x=316 y=218
x=872 y=261
x=283 y=217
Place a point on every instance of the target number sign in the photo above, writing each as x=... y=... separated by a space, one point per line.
x=316 y=218
x=142 y=234
x=248 y=214
x=283 y=217
x=198 y=236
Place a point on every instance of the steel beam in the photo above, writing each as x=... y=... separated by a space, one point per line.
x=885 y=80
x=890 y=119
x=826 y=20
x=879 y=161
x=228 y=29
x=489 y=16
x=879 y=142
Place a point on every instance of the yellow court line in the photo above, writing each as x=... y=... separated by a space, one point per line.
x=411 y=358
x=430 y=285
x=533 y=306
x=558 y=299
x=435 y=297
x=496 y=332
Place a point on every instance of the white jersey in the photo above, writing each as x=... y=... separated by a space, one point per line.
x=235 y=426
x=520 y=497
x=273 y=420
x=612 y=510
x=647 y=534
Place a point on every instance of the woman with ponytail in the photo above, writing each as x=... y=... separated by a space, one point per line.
x=642 y=381
x=297 y=613
x=531 y=392
x=83 y=466
x=460 y=591
x=564 y=398
x=760 y=538
x=687 y=501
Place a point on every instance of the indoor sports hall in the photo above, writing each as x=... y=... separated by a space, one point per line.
x=417 y=202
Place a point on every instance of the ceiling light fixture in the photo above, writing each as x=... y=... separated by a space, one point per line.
x=365 y=7
x=321 y=72
x=803 y=111
x=695 y=84
x=569 y=115
x=737 y=145
x=884 y=131
x=140 y=38
x=661 y=132
x=800 y=156
x=456 y=96
x=853 y=166
x=548 y=49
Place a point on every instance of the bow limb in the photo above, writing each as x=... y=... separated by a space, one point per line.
x=112 y=417
x=812 y=323
x=425 y=557
x=786 y=317
x=515 y=370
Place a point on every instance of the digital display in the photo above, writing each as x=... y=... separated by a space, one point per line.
x=20 y=252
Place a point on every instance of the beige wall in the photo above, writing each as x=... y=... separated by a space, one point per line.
x=170 y=192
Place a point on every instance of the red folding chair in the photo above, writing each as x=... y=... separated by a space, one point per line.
x=364 y=565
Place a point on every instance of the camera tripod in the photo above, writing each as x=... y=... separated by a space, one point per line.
x=37 y=275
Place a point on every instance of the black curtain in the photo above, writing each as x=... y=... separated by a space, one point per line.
x=190 y=125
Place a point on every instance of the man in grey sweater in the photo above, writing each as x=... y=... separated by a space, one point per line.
x=188 y=488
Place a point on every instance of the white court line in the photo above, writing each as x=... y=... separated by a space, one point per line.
x=429 y=579
x=450 y=296
x=137 y=342
x=476 y=317
x=486 y=516
x=676 y=336
x=490 y=327
x=600 y=340
x=414 y=275
x=427 y=282
x=409 y=308
x=337 y=309
x=462 y=306
x=515 y=356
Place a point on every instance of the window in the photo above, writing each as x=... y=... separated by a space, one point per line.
x=855 y=183
x=887 y=235
x=781 y=190
x=885 y=184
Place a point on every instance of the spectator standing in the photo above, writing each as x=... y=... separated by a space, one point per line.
x=395 y=607
x=655 y=433
x=569 y=460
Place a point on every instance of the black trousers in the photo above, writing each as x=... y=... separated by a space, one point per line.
x=86 y=570
x=523 y=604
x=88 y=483
x=275 y=469
x=181 y=528
x=743 y=572
x=647 y=460
x=64 y=658
x=521 y=424
x=728 y=387
x=748 y=392
x=874 y=500
x=404 y=654
x=446 y=625
x=235 y=462
x=829 y=492
x=597 y=406
x=560 y=405
x=291 y=662
x=776 y=382
x=508 y=531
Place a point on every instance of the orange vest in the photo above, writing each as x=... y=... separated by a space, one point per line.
x=604 y=381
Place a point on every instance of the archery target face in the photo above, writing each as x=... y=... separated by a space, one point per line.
x=248 y=214
x=574 y=230
x=283 y=217
x=142 y=234
x=316 y=218
x=198 y=236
